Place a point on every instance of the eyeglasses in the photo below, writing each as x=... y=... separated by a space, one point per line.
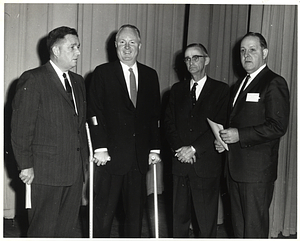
x=195 y=58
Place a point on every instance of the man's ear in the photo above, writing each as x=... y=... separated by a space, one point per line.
x=55 y=50
x=265 y=53
x=207 y=60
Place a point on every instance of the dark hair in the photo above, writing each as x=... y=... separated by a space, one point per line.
x=262 y=40
x=58 y=34
x=129 y=26
x=201 y=46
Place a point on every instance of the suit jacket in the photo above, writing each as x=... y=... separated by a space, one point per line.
x=46 y=132
x=188 y=126
x=129 y=133
x=261 y=121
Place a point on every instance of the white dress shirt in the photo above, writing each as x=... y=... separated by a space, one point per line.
x=127 y=74
x=252 y=76
x=199 y=87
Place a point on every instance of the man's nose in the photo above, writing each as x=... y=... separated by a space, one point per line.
x=246 y=53
x=191 y=62
x=127 y=46
x=77 y=52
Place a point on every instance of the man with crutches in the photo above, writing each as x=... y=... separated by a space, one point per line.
x=124 y=111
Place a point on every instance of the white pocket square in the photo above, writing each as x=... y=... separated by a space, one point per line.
x=252 y=97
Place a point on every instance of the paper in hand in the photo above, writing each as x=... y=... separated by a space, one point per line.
x=28 y=196
x=216 y=128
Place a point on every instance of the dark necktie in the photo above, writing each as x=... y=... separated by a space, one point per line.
x=242 y=89
x=245 y=83
x=133 y=91
x=68 y=88
x=193 y=94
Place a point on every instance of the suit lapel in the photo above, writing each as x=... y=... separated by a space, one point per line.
x=186 y=95
x=256 y=80
x=120 y=76
x=121 y=79
x=77 y=94
x=52 y=76
x=206 y=91
x=241 y=99
x=234 y=92
x=142 y=84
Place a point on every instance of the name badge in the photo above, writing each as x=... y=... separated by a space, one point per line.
x=252 y=97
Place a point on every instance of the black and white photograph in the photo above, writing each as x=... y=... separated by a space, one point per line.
x=162 y=120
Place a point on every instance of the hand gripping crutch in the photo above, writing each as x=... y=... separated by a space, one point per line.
x=91 y=170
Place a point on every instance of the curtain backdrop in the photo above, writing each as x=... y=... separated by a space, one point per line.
x=161 y=28
x=165 y=30
x=219 y=27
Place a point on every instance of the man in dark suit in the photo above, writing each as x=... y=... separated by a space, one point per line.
x=258 y=118
x=196 y=164
x=124 y=111
x=49 y=138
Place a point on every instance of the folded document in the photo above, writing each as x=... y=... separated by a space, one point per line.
x=216 y=129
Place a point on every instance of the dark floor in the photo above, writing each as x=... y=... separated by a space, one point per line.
x=14 y=228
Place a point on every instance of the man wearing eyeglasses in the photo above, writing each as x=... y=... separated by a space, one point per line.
x=196 y=164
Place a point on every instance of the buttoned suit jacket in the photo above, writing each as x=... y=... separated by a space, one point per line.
x=127 y=132
x=189 y=126
x=46 y=132
x=260 y=121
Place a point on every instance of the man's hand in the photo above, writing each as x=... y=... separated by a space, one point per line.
x=186 y=154
x=230 y=135
x=154 y=158
x=27 y=175
x=219 y=146
x=101 y=158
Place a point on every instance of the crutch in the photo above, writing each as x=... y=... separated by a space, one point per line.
x=91 y=170
x=155 y=203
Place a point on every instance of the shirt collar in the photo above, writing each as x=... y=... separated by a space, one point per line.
x=255 y=73
x=126 y=67
x=199 y=81
x=57 y=70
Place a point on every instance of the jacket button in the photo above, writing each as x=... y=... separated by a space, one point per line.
x=78 y=149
